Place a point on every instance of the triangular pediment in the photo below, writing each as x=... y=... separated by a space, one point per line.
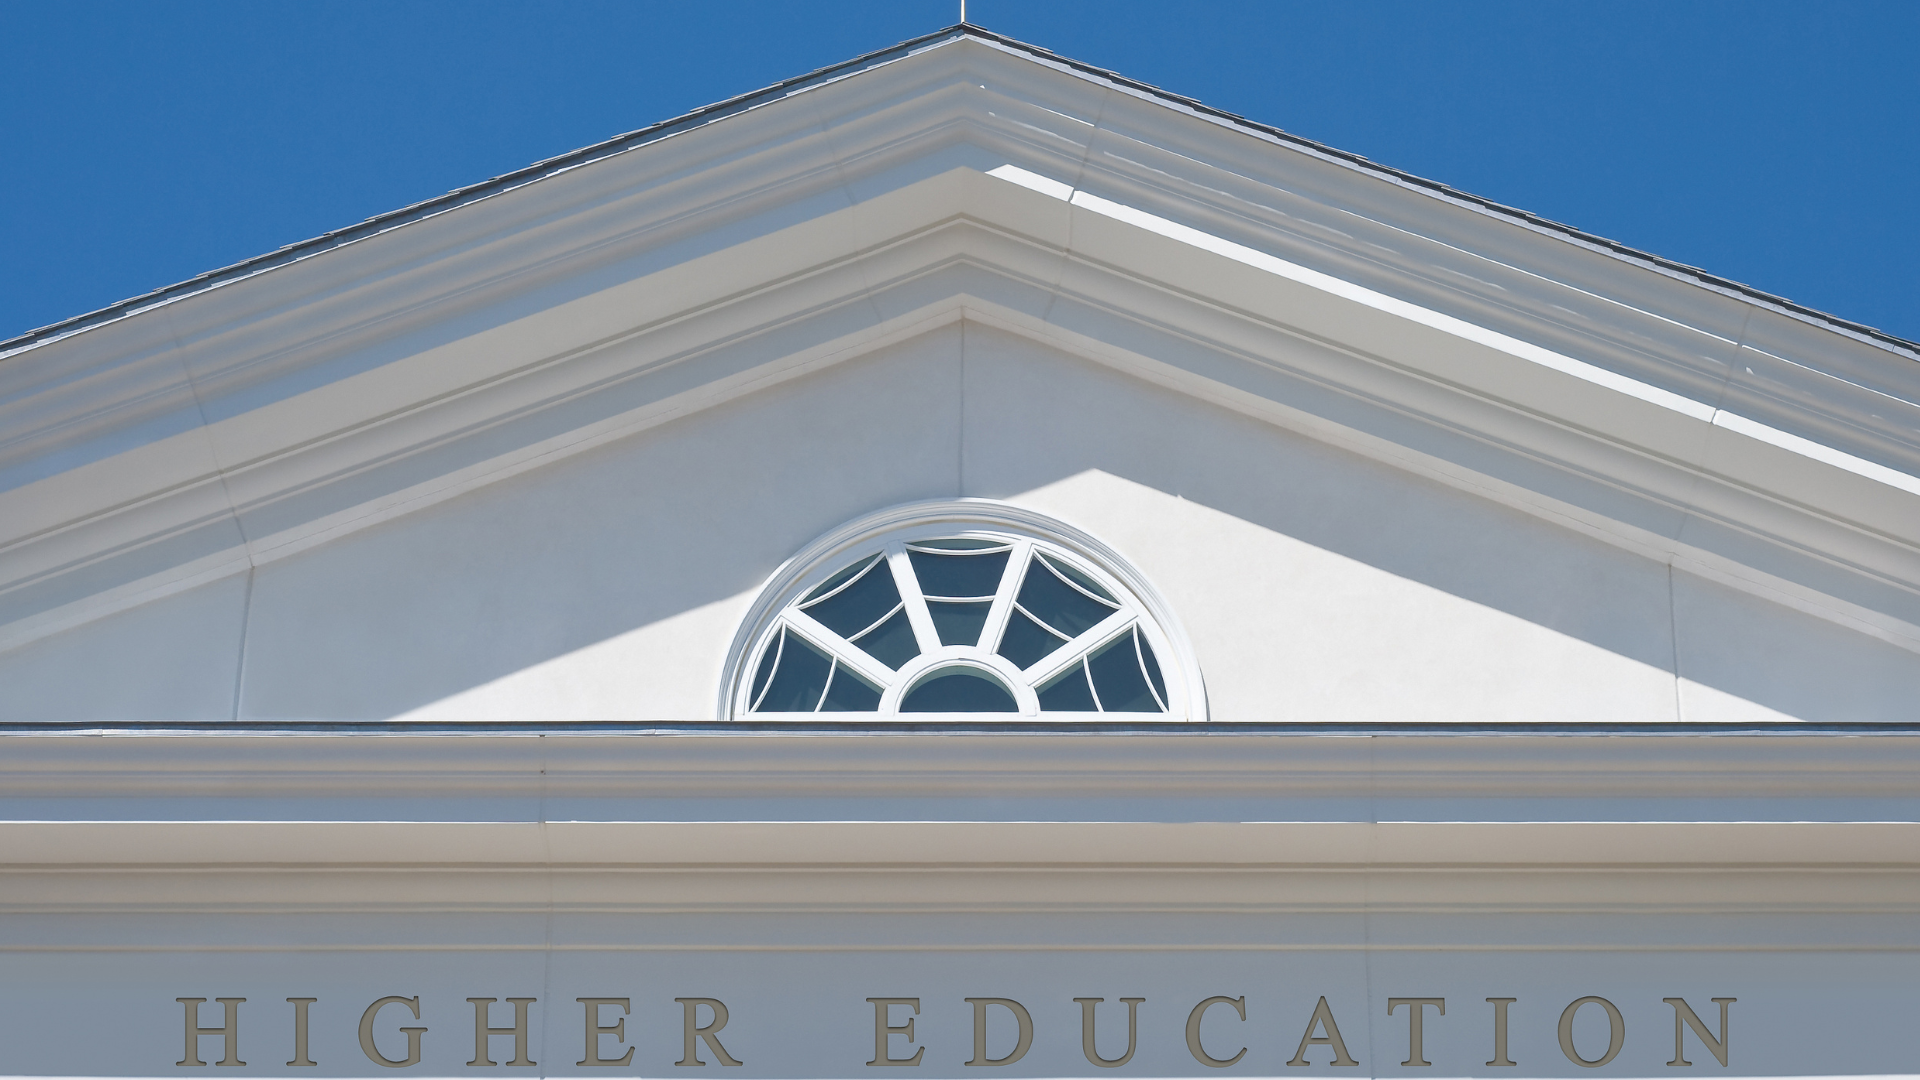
x=966 y=201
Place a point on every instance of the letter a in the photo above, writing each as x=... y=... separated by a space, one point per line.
x=1322 y=1021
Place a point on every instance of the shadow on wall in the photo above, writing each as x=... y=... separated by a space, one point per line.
x=641 y=555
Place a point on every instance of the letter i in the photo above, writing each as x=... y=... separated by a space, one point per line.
x=300 y=1057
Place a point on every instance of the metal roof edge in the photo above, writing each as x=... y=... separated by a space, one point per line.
x=741 y=103
x=1670 y=267
x=898 y=727
x=472 y=193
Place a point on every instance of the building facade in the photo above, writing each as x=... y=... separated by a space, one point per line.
x=959 y=562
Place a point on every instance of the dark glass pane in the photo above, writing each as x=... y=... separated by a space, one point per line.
x=892 y=642
x=766 y=666
x=1151 y=662
x=1081 y=580
x=838 y=578
x=860 y=604
x=957 y=574
x=802 y=675
x=1117 y=678
x=849 y=693
x=1068 y=693
x=959 y=624
x=960 y=690
x=1058 y=604
x=1026 y=642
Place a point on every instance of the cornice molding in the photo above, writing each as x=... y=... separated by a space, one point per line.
x=712 y=870
x=241 y=424
x=260 y=777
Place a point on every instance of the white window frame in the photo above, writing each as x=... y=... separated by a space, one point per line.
x=888 y=532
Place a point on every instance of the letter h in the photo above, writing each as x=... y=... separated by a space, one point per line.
x=231 y=1030
x=518 y=1031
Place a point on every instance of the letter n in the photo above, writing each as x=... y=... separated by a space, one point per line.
x=1684 y=1018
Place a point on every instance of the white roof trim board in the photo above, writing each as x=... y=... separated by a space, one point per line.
x=1599 y=376
x=722 y=109
x=257 y=411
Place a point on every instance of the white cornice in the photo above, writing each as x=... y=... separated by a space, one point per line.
x=247 y=422
x=1228 y=825
x=1224 y=776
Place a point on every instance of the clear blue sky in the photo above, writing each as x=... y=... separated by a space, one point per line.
x=1777 y=144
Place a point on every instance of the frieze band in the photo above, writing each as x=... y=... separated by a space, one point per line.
x=894 y=1022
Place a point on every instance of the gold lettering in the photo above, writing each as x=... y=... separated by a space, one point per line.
x=595 y=1029
x=1193 y=1031
x=884 y=1030
x=1087 y=1044
x=1616 y=1033
x=300 y=1057
x=694 y=1033
x=1416 y=1028
x=1322 y=1020
x=1500 y=1030
x=231 y=1030
x=519 y=1031
x=413 y=1033
x=1020 y=1017
x=1683 y=1013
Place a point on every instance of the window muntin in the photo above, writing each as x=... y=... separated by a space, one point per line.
x=965 y=621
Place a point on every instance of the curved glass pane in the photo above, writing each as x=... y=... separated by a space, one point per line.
x=1056 y=604
x=799 y=677
x=961 y=623
x=840 y=577
x=860 y=601
x=1118 y=678
x=1026 y=642
x=769 y=659
x=1068 y=693
x=1086 y=584
x=960 y=690
x=1152 y=664
x=969 y=574
x=849 y=693
x=892 y=642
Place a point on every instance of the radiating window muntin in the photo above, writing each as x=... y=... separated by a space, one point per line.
x=960 y=622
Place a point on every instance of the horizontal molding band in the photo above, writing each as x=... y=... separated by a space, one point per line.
x=1054 y=846
x=1035 y=728
x=1019 y=947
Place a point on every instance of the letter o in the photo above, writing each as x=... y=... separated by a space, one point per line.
x=1616 y=1033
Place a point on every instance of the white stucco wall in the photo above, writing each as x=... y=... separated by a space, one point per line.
x=1316 y=585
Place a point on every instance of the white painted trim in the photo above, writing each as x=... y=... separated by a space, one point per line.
x=1547 y=358
x=77 y=409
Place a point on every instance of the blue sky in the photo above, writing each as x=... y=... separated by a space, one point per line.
x=1776 y=144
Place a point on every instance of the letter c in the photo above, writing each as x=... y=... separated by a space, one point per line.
x=1193 y=1031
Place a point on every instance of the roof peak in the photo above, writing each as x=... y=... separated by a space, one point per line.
x=956 y=31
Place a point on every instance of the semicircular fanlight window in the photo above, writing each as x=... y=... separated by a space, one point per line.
x=949 y=624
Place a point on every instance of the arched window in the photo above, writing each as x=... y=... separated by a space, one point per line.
x=960 y=608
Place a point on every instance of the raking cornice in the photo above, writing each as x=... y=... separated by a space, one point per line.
x=238 y=424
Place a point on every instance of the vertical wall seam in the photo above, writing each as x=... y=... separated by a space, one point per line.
x=1719 y=401
x=960 y=455
x=240 y=659
x=233 y=511
x=1673 y=642
x=1687 y=508
x=546 y=960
